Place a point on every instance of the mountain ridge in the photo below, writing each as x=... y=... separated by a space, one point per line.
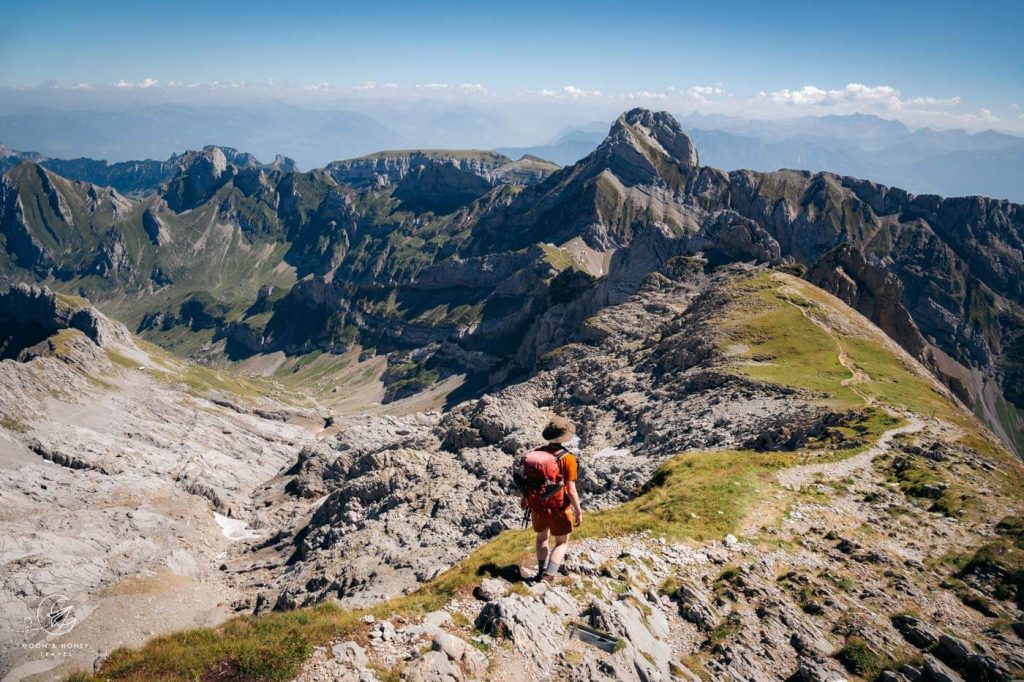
x=639 y=199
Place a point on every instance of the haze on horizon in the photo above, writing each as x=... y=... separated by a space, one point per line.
x=120 y=81
x=945 y=65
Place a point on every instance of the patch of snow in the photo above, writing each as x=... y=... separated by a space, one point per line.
x=234 y=529
x=612 y=452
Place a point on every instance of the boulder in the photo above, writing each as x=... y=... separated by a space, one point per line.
x=951 y=650
x=461 y=653
x=936 y=671
x=528 y=624
x=696 y=608
x=914 y=631
x=813 y=670
x=491 y=589
x=350 y=655
x=982 y=668
x=433 y=666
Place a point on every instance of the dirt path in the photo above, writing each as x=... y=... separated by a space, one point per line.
x=801 y=475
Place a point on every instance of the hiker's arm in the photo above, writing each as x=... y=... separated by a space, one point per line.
x=574 y=499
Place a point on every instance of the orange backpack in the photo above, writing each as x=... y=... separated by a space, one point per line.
x=540 y=480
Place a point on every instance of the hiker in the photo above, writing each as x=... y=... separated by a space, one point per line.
x=547 y=481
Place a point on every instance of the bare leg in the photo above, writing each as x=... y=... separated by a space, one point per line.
x=542 y=549
x=558 y=553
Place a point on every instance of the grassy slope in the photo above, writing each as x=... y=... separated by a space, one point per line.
x=696 y=495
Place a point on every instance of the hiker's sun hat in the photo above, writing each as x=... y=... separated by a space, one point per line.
x=558 y=430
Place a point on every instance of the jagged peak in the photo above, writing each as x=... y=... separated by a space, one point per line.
x=660 y=130
x=211 y=159
x=643 y=147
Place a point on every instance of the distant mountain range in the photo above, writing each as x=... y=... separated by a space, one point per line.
x=481 y=264
x=153 y=132
x=926 y=161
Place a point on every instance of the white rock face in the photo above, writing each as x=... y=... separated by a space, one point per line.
x=116 y=483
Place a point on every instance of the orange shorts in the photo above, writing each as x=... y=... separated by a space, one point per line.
x=557 y=522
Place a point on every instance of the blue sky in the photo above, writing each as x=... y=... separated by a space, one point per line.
x=947 y=61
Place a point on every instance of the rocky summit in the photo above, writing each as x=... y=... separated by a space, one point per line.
x=259 y=424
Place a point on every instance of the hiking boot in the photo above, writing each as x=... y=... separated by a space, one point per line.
x=549 y=577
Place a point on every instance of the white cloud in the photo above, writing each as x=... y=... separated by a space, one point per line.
x=473 y=89
x=432 y=86
x=857 y=95
x=810 y=95
x=649 y=94
x=322 y=85
x=83 y=86
x=570 y=91
x=374 y=85
x=935 y=101
x=144 y=84
x=704 y=93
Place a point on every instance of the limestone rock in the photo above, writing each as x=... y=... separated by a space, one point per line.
x=935 y=671
x=432 y=666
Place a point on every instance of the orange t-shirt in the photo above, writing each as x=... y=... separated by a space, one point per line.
x=566 y=464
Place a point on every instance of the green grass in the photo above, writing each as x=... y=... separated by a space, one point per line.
x=1003 y=558
x=698 y=483
x=780 y=329
x=863 y=660
x=71 y=301
x=921 y=479
x=12 y=424
x=789 y=348
x=559 y=259
x=62 y=338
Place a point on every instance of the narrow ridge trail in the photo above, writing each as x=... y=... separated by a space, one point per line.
x=801 y=475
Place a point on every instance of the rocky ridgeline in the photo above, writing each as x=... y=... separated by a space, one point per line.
x=385 y=169
x=30 y=314
x=136 y=178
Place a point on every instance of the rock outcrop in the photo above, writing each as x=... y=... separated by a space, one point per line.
x=388 y=169
x=29 y=314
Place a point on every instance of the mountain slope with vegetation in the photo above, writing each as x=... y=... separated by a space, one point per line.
x=470 y=269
